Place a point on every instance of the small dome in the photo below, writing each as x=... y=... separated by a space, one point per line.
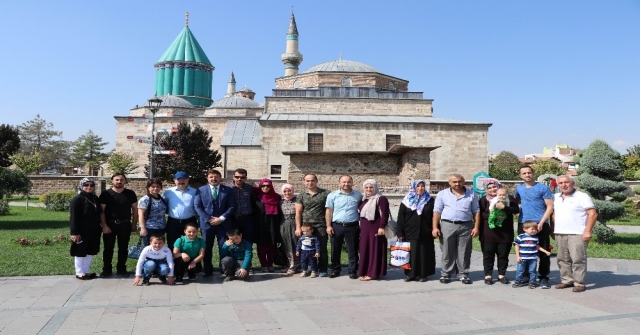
x=245 y=89
x=235 y=102
x=341 y=65
x=173 y=101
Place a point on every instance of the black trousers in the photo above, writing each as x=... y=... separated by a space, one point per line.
x=320 y=231
x=121 y=232
x=209 y=235
x=544 y=263
x=175 y=229
x=181 y=266
x=349 y=235
x=231 y=265
x=491 y=250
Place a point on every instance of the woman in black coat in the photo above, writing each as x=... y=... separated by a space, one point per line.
x=414 y=226
x=85 y=228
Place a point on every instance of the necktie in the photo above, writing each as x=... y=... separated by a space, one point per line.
x=214 y=194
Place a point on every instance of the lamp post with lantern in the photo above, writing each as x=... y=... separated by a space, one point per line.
x=154 y=106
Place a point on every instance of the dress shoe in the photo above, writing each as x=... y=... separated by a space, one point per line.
x=207 y=274
x=488 y=281
x=445 y=280
x=466 y=280
x=503 y=280
x=408 y=279
x=353 y=275
x=106 y=274
x=423 y=279
x=334 y=274
x=563 y=285
x=579 y=288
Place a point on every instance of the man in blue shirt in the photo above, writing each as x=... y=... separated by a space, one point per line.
x=457 y=214
x=180 y=200
x=536 y=204
x=343 y=220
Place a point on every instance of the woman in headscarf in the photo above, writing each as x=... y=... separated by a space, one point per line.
x=288 y=227
x=414 y=226
x=85 y=227
x=374 y=215
x=496 y=242
x=268 y=227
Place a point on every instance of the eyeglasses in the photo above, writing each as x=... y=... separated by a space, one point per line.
x=88 y=185
x=267 y=186
x=240 y=177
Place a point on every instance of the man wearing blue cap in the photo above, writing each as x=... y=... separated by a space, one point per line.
x=180 y=199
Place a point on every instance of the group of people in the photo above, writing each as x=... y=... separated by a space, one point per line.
x=241 y=215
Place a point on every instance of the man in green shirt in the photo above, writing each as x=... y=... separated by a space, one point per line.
x=310 y=207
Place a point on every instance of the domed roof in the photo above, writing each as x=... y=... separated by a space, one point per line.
x=173 y=101
x=341 y=65
x=185 y=48
x=246 y=89
x=235 y=102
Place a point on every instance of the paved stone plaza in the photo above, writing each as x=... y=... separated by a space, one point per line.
x=275 y=304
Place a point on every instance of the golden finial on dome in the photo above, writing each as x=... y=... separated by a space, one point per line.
x=186 y=20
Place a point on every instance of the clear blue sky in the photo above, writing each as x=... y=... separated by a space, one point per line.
x=543 y=72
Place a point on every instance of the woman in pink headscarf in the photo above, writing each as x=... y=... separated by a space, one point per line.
x=288 y=228
x=268 y=227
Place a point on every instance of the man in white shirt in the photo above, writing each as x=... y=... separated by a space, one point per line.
x=573 y=219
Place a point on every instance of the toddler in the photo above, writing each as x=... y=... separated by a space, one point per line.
x=308 y=249
x=155 y=257
x=527 y=253
x=188 y=251
x=236 y=255
x=496 y=215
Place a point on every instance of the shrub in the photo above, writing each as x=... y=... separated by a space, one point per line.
x=4 y=207
x=618 y=196
x=603 y=232
x=636 y=190
x=57 y=201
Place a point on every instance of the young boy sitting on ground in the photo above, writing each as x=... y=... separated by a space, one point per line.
x=155 y=257
x=236 y=255
x=188 y=251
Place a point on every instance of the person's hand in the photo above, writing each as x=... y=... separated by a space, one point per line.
x=191 y=265
x=548 y=253
x=242 y=273
x=316 y=255
x=106 y=230
x=170 y=280
x=298 y=232
x=143 y=231
x=228 y=243
x=134 y=228
x=518 y=259
x=586 y=236
x=474 y=232
x=380 y=232
x=540 y=225
x=330 y=231
x=185 y=257
x=137 y=281
x=76 y=238
x=435 y=233
x=500 y=205
x=297 y=254
x=215 y=221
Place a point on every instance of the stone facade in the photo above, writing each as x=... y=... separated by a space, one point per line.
x=319 y=79
x=360 y=106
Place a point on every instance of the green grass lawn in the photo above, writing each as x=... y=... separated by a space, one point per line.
x=621 y=246
x=625 y=221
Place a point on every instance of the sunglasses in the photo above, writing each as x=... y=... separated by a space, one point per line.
x=240 y=177
x=267 y=186
x=88 y=185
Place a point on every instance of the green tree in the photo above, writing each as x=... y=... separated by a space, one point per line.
x=12 y=182
x=548 y=167
x=38 y=135
x=87 y=151
x=600 y=175
x=505 y=166
x=29 y=165
x=121 y=162
x=193 y=154
x=9 y=143
x=631 y=163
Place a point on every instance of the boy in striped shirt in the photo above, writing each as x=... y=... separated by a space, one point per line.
x=527 y=248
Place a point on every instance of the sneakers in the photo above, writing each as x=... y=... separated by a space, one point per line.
x=228 y=278
x=303 y=274
x=322 y=274
x=544 y=283
x=163 y=279
x=466 y=280
x=517 y=284
x=334 y=274
x=504 y=280
x=488 y=281
x=145 y=281
x=179 y=279
x=313 y=274
x=532 y=285
x=445 y=280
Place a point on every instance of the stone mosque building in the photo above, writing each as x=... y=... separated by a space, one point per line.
x=337 y=117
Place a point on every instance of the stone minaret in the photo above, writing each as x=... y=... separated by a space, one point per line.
x=231 y=85
x=291 y=58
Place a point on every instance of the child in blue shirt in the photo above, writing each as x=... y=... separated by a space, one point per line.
x=527 y=248
x=236 y=255
x=308 y=249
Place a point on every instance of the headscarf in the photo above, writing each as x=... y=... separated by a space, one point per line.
x=414 y=201
x=271 y=199
x=489 y=181
x=85 y=180
x=368 y=211
x=288 y=186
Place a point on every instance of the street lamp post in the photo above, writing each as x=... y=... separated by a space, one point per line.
x=154 y=105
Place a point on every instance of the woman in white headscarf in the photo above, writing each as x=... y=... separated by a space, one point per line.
x=414 y=226
x=85 y=228
x=374 y=215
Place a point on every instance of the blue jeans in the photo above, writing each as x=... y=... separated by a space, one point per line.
x=158 y=265
x=527 y=265
x=151 y=232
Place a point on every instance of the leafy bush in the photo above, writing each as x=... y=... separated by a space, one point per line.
x=57 y=201
x=603 y=232
x=636 y=190
x=608 y=210
x=618 y=196
x=4 y=207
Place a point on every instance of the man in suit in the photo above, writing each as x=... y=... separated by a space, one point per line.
x=215 y=206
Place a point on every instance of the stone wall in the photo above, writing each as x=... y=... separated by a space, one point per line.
x=357 y=106
x=336 y=80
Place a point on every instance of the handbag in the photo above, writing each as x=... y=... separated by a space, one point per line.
x=281 y=258
x=400 y=255
x=391 y=229
x=136 y=249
